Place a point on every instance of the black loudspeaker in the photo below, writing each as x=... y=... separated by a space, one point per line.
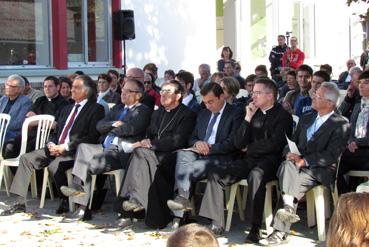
x=124 y=25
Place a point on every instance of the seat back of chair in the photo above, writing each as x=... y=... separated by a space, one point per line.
x=4 y=122
x=44 y=124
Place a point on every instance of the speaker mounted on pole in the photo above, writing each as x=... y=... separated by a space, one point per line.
x=124 y=25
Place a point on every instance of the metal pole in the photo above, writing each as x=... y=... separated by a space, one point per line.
x=124 y=57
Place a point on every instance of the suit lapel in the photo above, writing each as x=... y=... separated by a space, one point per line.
x=222 y=120
x=204 y=126
x=81 y=114
x=327 y=124
x=304 y=128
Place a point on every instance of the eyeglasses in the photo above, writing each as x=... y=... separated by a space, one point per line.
x=258 y=93
x=147 y=82
x=11 y=86
x=166 y=91
x=129 y=91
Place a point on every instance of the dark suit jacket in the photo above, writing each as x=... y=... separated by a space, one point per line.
x=265 y=136
x=84 y=127
x=228 y=125
x=112 y=97
x=134 y=127
x=193 y=105
x=323 y=150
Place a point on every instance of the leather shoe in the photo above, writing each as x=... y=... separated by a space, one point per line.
x=217 y=230
x=123 y=223
x=15 y=208
x=179 y=203
x=70 y=191
x=80 y=214
x=287 y=214
x=132 y=205
x=253 y=236
x=63 y=207
x=275 y=238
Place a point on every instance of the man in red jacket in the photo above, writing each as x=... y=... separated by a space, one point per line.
x=293 y=57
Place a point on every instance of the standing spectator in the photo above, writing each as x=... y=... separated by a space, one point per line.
x=226 y=55
x=31 y=93
x=364 y=58
x=204 y=72
x=344 y=78
x=293 y=57
x=276 y=54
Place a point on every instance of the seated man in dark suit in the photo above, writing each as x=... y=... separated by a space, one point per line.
x=125 y=124
x=263 y=135
x=77 y=124
x=356 y=156
x=321 y=137
x=169 y=130
x=16 y=105
x=212 y=145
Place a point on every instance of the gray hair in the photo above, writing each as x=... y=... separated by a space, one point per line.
x=332 y=92
x=356 y=69
x=20 y=81
x=205 y=66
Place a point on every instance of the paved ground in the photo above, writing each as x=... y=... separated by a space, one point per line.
x=41 y=227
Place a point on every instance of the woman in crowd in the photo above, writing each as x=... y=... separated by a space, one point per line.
x=65 y=88
x=226 y=57
x=148 y=84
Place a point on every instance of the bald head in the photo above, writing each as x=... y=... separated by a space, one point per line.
x=135 y=73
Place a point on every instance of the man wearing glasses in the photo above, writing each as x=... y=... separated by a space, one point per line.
x=16 y=105
x=263 y=134
x=125 y=124
x=170 y=128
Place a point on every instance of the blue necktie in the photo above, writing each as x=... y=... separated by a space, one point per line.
x=110 y=138
x=313 y=128
x=209 y=130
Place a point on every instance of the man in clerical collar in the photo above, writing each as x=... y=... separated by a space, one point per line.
x=169 y=130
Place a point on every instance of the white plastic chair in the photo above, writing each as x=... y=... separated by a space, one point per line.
x=364 y=187
x=317 y=201
x=235 y=193
x=44 y=124
x=4 y=122
x=118 y=175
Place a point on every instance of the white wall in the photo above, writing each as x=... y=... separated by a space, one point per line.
x=173 y=34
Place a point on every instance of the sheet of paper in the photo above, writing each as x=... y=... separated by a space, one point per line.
x=293 y=147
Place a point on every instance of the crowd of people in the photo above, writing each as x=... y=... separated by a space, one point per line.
x=168 y=136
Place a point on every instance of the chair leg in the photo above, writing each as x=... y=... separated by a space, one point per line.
x=320 y=210
x=193 y=209
x=8 y=178
x=268 y=211
x=1 y=175
x=230 y=205
x=70 y=182
x=50 y=186
x=310 y=208
x=34 y=185
x=244 y=197
x=93 y=182
x=239 y=204
x=44 y=185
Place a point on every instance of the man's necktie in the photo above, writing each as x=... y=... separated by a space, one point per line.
x=313 y=128
x=209 y=130
x=69 y=125
x=110 y=138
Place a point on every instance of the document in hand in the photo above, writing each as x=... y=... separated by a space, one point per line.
x=293 y=147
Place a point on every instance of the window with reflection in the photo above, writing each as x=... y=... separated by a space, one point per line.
x=87 y=31
x=24 y=33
